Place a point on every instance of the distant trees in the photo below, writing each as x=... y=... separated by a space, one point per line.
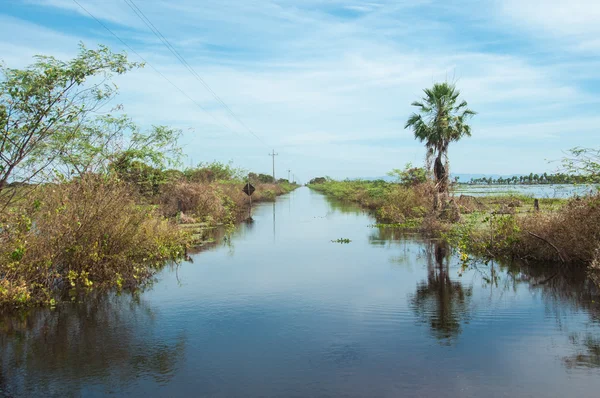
x=440 y=120
x=214 y=171
x=261 y=178
x=545 y=178
x=318 y=180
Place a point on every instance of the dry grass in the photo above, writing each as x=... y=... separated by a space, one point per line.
x=574 y=231
x=215 y=203
x=568 y=234
x=405 y=203
x=82 y=234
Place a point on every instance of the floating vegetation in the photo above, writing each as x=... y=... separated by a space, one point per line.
x=341 y=240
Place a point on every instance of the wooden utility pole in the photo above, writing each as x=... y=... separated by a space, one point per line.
x=273 y=154
x=289 y=175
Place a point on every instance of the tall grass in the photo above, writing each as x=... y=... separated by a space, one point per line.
x=392 y=203
x=86 y=233
x=567 y=233
x=221 y=202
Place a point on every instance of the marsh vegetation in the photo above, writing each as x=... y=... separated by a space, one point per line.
x=88 y=199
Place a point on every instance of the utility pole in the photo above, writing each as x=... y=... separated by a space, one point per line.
x=289 y=175
x=273 y=155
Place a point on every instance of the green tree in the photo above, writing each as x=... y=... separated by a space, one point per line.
x=410 y=176
x=110 y=140
x=441 y=119
x=43 y=107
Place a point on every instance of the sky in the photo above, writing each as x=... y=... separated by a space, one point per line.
x=328 y=84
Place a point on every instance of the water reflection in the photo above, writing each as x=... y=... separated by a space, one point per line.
x=572 y=288
x=588 y=351
x=440 y=302
x=108 y=340
x=344 y=207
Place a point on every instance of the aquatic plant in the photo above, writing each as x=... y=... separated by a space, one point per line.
x=341 y=240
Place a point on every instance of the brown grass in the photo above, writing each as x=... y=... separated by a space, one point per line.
x=85 y=233
x=216 y=202
x=574 y=231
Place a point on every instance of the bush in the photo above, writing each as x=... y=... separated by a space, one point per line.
x=82 y=234
x=574 y=230
x=206 y=202
x=403 y=203
x=569 y=234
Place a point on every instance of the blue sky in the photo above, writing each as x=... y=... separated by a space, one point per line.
x=328 y=84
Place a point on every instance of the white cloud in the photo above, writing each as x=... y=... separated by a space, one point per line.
x=333 y=93
x=575 y=22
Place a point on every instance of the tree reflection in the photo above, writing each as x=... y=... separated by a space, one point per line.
x=107 y=341
x=561 y=288
x=439 y=301
x=588 y=351
x=571 y=288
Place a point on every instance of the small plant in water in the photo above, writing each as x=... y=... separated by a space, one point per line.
x=341 y=240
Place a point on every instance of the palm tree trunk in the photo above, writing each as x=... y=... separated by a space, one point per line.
x=441 y=182
x=441 y=177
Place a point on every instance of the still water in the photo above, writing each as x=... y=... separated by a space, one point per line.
x=537 y=191
x=278 y=310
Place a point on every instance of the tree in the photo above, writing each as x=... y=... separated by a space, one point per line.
x=584 y=162
x=410 y=176
x=109 y=142
x=43 y=107
x=441 y=119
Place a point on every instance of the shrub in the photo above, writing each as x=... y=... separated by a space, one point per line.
x=401 y=203
x=206 y=202
x=574 y=230
x=82 y=234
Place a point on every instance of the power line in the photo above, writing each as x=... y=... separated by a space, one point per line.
x=140 y=14
x=153 y=68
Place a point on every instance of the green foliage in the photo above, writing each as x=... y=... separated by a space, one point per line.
x=441 y=120
x=214 y=171
x=87 y=233
x=146 y=179
x=410 y=176
x=341 y=240
x=574 y=176
x=392 y=203
x=317 y=180
x=261 y=178
x=43 y=107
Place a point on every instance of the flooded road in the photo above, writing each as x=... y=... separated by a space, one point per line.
x=279 y=310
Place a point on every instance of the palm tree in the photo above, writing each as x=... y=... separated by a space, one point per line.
x=441 y=119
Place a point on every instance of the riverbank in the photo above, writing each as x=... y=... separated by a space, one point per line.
x=489 y=227
x=58 y=241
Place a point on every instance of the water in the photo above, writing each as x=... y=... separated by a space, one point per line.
x=281 y=311
x=536 y=191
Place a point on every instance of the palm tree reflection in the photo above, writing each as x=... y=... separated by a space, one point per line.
x=439 y=301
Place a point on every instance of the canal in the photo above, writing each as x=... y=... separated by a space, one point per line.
x=279 y=310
